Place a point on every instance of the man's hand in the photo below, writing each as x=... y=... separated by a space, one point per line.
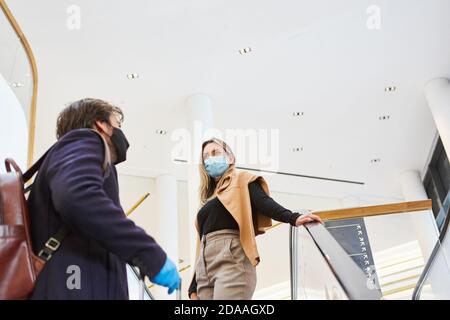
x=168 y=276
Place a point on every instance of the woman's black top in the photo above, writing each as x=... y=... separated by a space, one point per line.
x=213 y=216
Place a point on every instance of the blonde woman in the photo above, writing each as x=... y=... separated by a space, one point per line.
x=235 y=207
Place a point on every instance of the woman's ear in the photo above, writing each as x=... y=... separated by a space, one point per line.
x=231 y=159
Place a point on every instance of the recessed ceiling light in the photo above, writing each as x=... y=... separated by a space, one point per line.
x=132 y=76
x=376 y=160
x=390 y=89
x=161 y=132
x=245 y=50
x=297 y=149
x=16 y=84
x=386 y=117
x=297 y=113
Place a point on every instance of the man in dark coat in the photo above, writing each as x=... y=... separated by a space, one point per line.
x=77 y=187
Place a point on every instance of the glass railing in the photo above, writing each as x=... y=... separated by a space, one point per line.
x=137 y=289
x=434 y=283
x=401 y=244
x=389 y=244
x=321 y=269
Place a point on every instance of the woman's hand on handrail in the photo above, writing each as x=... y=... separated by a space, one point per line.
x=305 y=218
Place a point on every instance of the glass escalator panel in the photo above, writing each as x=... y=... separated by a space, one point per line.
x=391 y=248
x=322 y=270
x=400 y=245
x=316 y=279
x=137 y=289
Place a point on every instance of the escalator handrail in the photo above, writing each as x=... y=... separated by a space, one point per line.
x=351 y=278
x=418 y=288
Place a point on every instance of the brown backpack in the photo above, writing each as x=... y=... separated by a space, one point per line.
x=19 y=266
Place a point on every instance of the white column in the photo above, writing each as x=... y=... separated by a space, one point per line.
x=166 y=221
x=200 y=120
x=437 y=92
x=424 y=223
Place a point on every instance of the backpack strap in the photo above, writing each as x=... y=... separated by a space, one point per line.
x=35 y=167
x=53 y=244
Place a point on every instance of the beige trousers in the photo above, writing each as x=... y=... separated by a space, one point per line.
x=223 y=271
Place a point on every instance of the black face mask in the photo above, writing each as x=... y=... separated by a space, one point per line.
x=121 y=143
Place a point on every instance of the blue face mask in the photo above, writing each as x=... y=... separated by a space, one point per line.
x=216 y=166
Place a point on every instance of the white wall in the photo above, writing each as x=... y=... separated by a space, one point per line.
x=14 y=128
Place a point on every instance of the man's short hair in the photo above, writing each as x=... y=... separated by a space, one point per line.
x=83 y=114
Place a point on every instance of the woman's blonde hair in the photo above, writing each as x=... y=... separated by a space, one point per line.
x=209 y=185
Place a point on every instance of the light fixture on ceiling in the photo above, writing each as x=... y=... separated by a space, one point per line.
x=132 y=76
x=385 y=117
x=16 y=84
x=390 y=89
x=161 y=132
x=297 y=113
x=245 y=50
x=297 y=149
x=376 y=160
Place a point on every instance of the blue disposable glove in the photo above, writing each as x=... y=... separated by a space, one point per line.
x=168 y=276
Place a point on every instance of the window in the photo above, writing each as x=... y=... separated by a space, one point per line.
x=437 y=178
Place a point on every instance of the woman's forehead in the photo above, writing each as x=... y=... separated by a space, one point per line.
x=212 y=146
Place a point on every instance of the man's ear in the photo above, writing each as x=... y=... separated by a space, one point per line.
x=99 y=126
x=102 y=127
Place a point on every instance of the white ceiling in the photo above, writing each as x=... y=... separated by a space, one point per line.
x=317 y=57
